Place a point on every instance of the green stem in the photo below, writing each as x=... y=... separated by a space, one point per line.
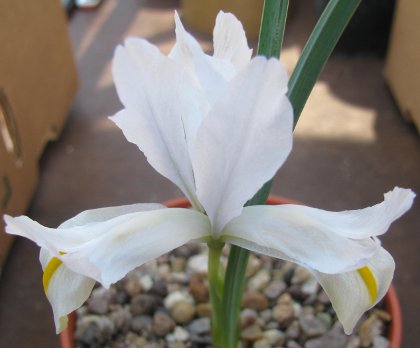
x=215 y=277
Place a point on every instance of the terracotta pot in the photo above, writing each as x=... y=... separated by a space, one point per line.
x=392 y=303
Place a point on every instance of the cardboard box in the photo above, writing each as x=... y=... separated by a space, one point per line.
x=402 y=69
x=38 y=81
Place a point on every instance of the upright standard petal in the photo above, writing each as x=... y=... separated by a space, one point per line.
x=66 y=290
x=283 y=232
x=244 y=139
x=107 y=250
x=353 y=293
x=211 y=74
x=159 y=99
x=229 y=41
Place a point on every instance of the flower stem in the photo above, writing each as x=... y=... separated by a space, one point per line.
x=216 y=285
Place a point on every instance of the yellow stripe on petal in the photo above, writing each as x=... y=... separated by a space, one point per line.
x=370 y=282
x=49 y=271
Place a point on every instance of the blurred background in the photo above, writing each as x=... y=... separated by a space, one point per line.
x=356 y=139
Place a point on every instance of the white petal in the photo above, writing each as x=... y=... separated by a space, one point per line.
x=159 y=99
x=349 y=293
x=230 y=42
x=107 y=250
x=66 y=290
x=363 y=223
x=243 y=141
x=283 y=232
x=137 y=241
x=211 y=75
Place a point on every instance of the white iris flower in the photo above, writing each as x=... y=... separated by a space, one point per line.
x=218 y=127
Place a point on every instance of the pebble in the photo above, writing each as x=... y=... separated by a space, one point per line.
x=200 y=326
x=274 y=337
x=198 y=264
x=121 y=317
x=162 y=324
x=262 y=343
x=180 y=334
x=284 y=312
x=293 y=331
x=204 y=309
x=177 y=296
x=198 y=288
x=146 y=282
x=248 y=317
x=300 y=275
x=178 y=264
x=312 y=326
x=183 y=312
x=274 y=289
x=255 y=300
x=251 y=333
x=259 y=281
x=94 y=329
x=334 y=338
x=369 y=329
x=310 y=286
x=380 y=342
x=132 y=287
x=254 y=264
x=143 y=304
x=101 y=299
x=142 y=324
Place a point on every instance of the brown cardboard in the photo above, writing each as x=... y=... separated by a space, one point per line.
x=38 y=81
x=402 y=69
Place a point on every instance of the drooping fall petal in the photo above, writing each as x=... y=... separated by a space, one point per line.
x=315 y=238
x=231 y=157
x=107 y=250
x=353 y=293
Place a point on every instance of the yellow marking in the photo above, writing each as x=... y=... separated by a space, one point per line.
x=370 y=282
x=49 y=271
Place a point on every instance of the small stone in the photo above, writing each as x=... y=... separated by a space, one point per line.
x=284 y=311
x=380 y=342
x=323 y=298
x=183 y=251
x=333 y=338
x=275 y=338
x=175 y=344
x=353 y=342
x=177 y=296
x=310 y=286
x=252 y=333
x=259 y=281
x=248 y=317
x=312 y=326
x=159 y=288
x=274 y=289
x=198 y=264
x=254 y=264
x=162 y=324
x=272 y=325
x=100 y=300
x=266 y=315
x=142 y=324
x=204 y=310
x=180 y=334
x=146 y=282
x=132 y=286
x=300 y=275
x=198 y=288
x=262 y=343
x=325 y=318
x=294 y=344
x=121 y=317
x=180 y=278
x=293 y=331
x=94 y=329
x=255 y=300
x=164 y=271
x=143 y=304
x=199 y=326
x=369 y=329
x=134 y=341
x=382 y=315
x=178 y=264
x=285 y=273
x=183 y=312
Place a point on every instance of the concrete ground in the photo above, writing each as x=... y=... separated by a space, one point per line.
x=351 y=146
